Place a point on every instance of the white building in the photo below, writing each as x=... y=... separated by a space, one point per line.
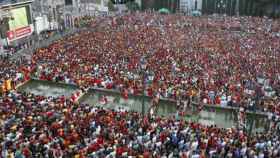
x=189 y=6
x=92 y=7
x=46 y=14
x=81 y=8
x=42 y=23
x=55 y=14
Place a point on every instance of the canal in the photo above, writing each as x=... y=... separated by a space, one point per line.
x=47 y=88
x=209 y=115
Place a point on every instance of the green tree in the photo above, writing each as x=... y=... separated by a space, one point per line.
x=111 y=6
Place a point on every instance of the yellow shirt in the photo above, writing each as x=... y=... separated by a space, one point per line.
x=3 y=88
x=8 y=85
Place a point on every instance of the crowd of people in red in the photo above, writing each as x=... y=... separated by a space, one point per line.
x=217 y=60
x=227 y=61
x=36 y=126
x=13 y=72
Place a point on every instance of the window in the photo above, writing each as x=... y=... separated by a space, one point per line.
x=121 y=1
x=68 y=2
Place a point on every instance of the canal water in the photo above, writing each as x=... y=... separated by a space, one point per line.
x=114 y=101
x=47 y=88
x=224 y=118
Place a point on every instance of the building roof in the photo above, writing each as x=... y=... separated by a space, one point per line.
x=8 y=2
x=5 y=4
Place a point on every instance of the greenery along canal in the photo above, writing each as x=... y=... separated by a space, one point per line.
x=222 y=117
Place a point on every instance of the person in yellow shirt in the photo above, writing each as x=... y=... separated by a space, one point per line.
x=3 y=88
x=8 y=84
x=10 y=154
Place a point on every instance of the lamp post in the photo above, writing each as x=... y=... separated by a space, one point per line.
x=237 y=8
x=1 y=21
x=143 y=70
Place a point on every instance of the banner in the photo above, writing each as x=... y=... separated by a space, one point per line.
x=20 y=32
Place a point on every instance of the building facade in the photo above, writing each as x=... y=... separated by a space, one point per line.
x=269 y=8
x=62 y=13
x=16 y=23
x=188 y=6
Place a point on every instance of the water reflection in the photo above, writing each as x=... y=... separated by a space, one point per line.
x=45 y=88
x=114 y=101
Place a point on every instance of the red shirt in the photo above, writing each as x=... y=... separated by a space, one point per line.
x=125 y=94
x=26 y=152
x=120 y=151
x=150 y=92
x=146 y=154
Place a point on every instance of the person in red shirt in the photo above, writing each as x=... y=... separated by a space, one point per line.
x=120 y=150
x=150 y=92
x=26 y=152
x=125 y=94
x=218 y=100
x=146 y=154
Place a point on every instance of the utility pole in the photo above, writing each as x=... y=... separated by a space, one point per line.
x=206 y=7
x=237 y=8
x=215 y=6
x=1 y=45
x=230 y=5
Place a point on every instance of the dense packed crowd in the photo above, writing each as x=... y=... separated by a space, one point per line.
x=217 y=60
x=36 y=126
x=13 y=72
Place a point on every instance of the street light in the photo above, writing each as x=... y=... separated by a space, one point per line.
x=143 y=70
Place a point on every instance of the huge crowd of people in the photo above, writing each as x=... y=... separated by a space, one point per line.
x=227 y=61
x=36 y=126
x=218 y=60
